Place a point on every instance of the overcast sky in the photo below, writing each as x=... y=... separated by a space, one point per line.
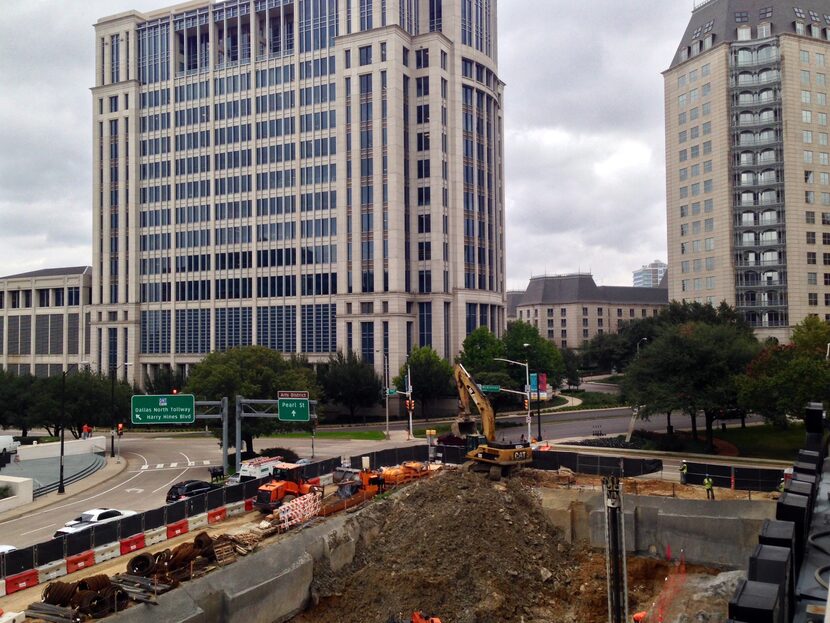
x=584 y=141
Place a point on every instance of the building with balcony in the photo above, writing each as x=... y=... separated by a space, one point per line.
x=747 y=164
x=45 y=318
x=650 y=275
x=307 y=176
x=571 y=309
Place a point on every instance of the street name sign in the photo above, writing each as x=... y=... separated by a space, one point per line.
x=169 y=409
x=292 y=406
x=490 y=388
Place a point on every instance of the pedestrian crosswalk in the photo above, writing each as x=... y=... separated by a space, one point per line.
x=178 y=465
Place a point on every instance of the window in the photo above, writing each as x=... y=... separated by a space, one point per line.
x=114 y=103
x=805 y=76
x=806 y=116
x=810 y=217
x=811 y=257
x=812 y=298
x=811 y=237
x=422 y=58
x=383 y=50
x=365 y=54
x=805 y=57
x=812 y=278
x=808 y=157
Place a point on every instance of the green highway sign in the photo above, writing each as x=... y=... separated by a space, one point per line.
x=292 y=406
x=391 y=391
x=170 y=409
x=490 y=388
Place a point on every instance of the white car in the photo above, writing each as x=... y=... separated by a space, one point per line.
x=90 y=518
x=5 y=549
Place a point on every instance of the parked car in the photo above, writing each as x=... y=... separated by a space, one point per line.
x=8 y=444
x=91 y=518
x=5 y=549
x=189 y=488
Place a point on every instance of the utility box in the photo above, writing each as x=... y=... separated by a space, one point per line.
x=772 y=564
x=780 y=534
x=756 y=602
x=793 y=507
x=810 y=456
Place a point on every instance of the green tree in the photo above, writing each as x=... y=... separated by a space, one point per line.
x=164 y=382
x=781 y=380
x=351 y=382
x=694 y=367
x=811 y=337
x=250 y=372
x=522 y=342
x=431 y=377
x=605 y=352
x=15 y=401
x=571 y=362
x=479 y=352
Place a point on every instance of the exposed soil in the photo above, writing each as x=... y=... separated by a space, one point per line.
x=467 y=550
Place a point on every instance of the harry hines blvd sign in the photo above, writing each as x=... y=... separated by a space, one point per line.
x=292 y=406
x=173 y=409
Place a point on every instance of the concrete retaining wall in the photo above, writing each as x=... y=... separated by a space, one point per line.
x=272 y=585
x=53 y=449
x=21 y=492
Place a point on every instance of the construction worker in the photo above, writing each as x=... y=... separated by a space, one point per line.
x=708 y=484
x=781 y=486
x=684 y=469
x=639 y=616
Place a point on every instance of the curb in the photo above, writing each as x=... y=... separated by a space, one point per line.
x=106 y=473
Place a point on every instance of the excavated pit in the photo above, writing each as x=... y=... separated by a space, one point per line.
x=468 y=550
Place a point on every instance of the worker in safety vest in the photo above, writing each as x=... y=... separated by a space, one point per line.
x=707 y=484
x=684 y=469
x=639 y=617
x=781 y=486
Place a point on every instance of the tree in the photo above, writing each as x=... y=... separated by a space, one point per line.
x=781 y=380
x=164 y=382
x=251 y=372
x=351 y=382
x=811 y=337
x=431 y=377
x=479 y=352
x=571 y=362
x=605 y=352
x=693 y=367
x=540 y=354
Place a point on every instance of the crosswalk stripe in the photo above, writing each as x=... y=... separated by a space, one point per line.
x=174 y=464
x=191 y=463
x=205 y=462
x=160 y=465
x=144 y=466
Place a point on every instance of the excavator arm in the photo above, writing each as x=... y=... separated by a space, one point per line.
x=468 y=391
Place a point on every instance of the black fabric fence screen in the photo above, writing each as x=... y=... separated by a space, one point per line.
x=154 y=518
x=175 y=512
x=234 y=493
x=131 y=525
x=215 y=499
x=78 y=542
x=49 y=551
x=20 y=560
x=105 y=533
x=746 y=478
x=195 y=505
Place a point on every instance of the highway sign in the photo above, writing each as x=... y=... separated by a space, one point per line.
x=292 y=406
x=490 y=388
x=391 y=391
x=169 y=409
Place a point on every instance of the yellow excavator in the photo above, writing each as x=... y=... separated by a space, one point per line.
x=500 y=459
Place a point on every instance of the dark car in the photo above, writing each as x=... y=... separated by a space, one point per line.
x=189 y=488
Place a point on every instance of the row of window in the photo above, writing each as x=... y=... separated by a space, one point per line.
x=708 y=225
x=45 y=297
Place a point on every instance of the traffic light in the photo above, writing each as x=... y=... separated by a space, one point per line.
x=526 y=405
x=175 y=390
x=410 y=404
x=120 y=428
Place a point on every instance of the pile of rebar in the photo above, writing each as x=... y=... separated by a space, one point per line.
x=94 y=596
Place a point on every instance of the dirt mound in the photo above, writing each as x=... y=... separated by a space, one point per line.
x=467 y=550
x=455 y=546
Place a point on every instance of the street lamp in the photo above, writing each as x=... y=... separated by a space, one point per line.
x=642 y=339
x=61 y=488
x=386 y=387
x=527 y=385
x=113 y=370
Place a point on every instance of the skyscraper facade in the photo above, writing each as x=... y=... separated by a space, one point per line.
x=747 y=164
x=306 y=175
x=650 y=275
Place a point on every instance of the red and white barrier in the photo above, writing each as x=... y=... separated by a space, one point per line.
x=107 y=552
x=80 y=561
x=156 y=535
x=2 y=588
x=197 y=521
x=177 y=528
x=131 y=544
x=20 y=581
x=217 y=515
x=51 y=571
x=249 y=504
x=235 y=508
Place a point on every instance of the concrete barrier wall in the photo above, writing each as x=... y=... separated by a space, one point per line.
x=271 y=585
x=21 y=492
x=53 y=449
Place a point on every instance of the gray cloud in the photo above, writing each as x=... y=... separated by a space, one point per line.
x=584 y=132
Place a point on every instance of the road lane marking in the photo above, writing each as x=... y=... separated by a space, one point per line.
x=160 y=465
x=37 y=529
x=174 y=464
x=144 y=467
x=183 y=472
x=205 y=462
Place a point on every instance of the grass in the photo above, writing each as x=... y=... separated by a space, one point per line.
x=766 y=442
x=593 y=400
x=614 y=379
x=361 y=435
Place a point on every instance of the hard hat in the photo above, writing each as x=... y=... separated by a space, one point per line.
x=684 y=460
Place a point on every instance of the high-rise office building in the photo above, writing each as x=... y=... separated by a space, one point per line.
x=747 y=164
x=306 y=175
x=650 y=275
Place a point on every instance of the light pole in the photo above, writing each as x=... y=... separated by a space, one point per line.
x=61 y=488
x=386 y=389
x=527 y=386
x=113 y=370
x=642 y=339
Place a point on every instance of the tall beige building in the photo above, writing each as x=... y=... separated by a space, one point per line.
x=307 y=175
x=748 y=160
